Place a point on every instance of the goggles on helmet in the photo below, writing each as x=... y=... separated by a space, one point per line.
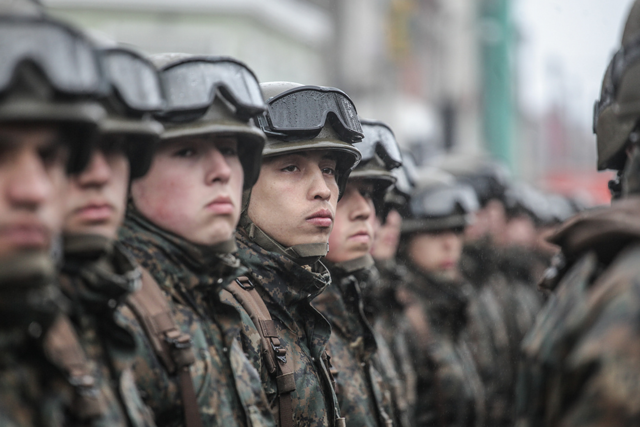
x=303 y=111
x=379 y=139
x=66 y=58
x=444 y=201
x=191 y=85
x=134 y=79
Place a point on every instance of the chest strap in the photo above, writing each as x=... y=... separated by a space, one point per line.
x=274 y=355
x=62 y=346
x=170 y=344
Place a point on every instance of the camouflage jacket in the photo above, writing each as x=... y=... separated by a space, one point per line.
x=287 y=288
x=97 y=277
x=392 y=329
x=33 y=391
x=500 y=314
x=228 y=388
x=581 y=361
x=449 y=388
x=362 y=393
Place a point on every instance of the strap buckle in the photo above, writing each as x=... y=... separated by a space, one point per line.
x=178 y=340
x=244 y=283
x=281 y=353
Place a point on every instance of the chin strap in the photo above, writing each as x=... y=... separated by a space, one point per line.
x=305 y=254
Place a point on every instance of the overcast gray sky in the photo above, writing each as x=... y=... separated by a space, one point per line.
x=565 y=48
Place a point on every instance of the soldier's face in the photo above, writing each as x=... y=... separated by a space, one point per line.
x=352 y=234
x=437 y=253
x=294 y=200
x=32 y=184
x=520 y=231
x=387 y=237
x=97 y=197
x=193 y=189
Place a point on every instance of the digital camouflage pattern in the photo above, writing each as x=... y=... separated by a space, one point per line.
x=363 y=395
x=33 y=391
x=449 y=389
x=227 y=386
x=287 y=289
x=581 y=361
x=97 y=277
x=392 y=329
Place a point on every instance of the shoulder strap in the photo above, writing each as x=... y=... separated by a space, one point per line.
x=274 y=355
x=172 y=346
x=62 y=346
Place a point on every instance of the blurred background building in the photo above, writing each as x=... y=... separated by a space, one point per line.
x=445 y=74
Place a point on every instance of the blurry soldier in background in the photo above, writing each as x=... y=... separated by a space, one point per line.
x=581 y=361
x=437 y=299
x=284 y=231
x=180 y=226
x=98 y=275
x=363 y=386
x=391 y=324
x=49 y=118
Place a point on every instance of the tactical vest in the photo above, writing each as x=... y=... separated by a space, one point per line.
x=172 y=347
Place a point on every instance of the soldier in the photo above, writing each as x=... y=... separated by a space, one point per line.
x=283 y=233
x=363 y=389
x=98 y=275
x=437 y=300
x=49 y=118
x=180 y=226
x=391 y=325
x=581 y=360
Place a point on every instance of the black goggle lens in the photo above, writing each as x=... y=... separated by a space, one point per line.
x=305 y=110
x=191 y=87
x=135 y=79
x=67 y=59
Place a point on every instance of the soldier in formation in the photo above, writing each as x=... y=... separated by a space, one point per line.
x=580 y=363
x=182 y=245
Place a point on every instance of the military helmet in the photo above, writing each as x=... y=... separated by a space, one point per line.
x=213 y=95
x=305 y=118
x=439 y=202
x=617 y=111
x=54 y=75
x=486 y=176
x=398 y=196
x=136 y=94
x=523 y=199
x=380 y=157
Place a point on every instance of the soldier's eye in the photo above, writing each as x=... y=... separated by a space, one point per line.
x=185 y=152
x=291 y=168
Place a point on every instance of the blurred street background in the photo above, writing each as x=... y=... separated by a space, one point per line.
x=511 y=79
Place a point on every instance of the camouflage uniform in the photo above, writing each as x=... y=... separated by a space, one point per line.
x=392 y=327
x=449 y=389
x=363 y=396
x=287 y=288
x=494 y=331
x=97 y=277
x=33 y=391
x=228 y=388
x=581 y=360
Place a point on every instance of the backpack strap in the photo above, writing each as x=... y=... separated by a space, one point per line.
x=171 y=345
x=274 y=355
x=62 y=346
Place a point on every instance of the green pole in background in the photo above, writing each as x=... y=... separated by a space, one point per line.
x=498 y=101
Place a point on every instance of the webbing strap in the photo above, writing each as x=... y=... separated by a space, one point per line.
x=62 y=346
x=274 y=354
x=171 y=345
